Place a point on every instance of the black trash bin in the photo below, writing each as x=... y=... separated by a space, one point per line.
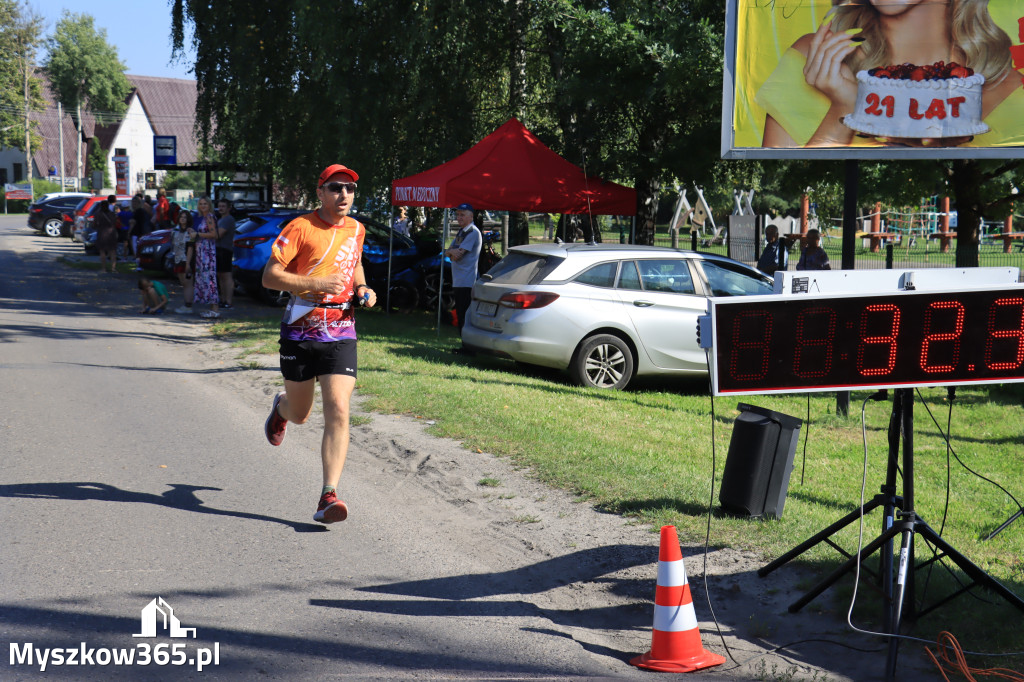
x=760 y=460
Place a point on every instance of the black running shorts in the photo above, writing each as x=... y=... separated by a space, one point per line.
x=305 y=360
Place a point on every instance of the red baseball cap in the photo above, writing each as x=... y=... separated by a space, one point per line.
x=337 y=168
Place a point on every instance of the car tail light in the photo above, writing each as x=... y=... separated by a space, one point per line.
x=37 y=210
x=527 y=300
x=66 y=218
x=250 y=242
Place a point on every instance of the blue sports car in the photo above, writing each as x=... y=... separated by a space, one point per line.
x=255 y=236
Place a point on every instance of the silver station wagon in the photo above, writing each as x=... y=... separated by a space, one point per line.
x=605 y=312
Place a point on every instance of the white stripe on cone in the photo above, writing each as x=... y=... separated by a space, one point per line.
x=671 y=573
x=675 y=618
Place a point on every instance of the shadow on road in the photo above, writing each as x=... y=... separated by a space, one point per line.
x=180 y=496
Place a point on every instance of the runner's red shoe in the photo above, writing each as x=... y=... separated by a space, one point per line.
x=330 y=509
x=276 y=424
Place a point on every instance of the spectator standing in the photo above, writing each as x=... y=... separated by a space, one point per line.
x=225 y=252
x=402 y=221
x=163 y=210
x=184 y=252
x=318 y=258
x=204 y=277
x=140 y=226
x=775 y=255
x=124 y=220
x=105 y=223
x=464 y=253
x=813 y=257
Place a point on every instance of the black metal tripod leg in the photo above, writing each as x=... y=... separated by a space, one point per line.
x=821 y=536
x=835 y=575
x=976 y=574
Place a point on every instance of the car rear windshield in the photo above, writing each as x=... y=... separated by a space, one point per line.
x=522 y=268
x=251 y=223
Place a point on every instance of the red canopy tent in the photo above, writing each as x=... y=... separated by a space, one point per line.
x=512 y=170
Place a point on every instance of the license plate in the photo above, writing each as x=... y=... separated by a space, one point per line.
x=487 y=309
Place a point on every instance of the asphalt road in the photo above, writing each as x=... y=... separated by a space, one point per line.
x=134 y=469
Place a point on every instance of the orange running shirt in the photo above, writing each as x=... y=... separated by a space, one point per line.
x=311 y=247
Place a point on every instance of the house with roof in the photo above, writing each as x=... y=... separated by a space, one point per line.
x=157 y=107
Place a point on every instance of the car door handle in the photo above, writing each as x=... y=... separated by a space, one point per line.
x=643 y=304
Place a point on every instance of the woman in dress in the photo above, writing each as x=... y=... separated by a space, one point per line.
x=105 y=223
x=183 y=247
x=815 y=84
x=204 y=232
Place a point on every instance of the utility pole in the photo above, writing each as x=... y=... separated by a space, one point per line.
x=28 y=129
x=60 y=136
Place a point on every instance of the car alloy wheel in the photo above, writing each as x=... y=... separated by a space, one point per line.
x=603 y=361
x=53 y=227
x=430 y=292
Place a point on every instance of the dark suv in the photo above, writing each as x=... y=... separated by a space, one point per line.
x=48 y=215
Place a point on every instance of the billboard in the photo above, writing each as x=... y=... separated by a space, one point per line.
x=121 y=175
x=165 y=150
x=873 y=79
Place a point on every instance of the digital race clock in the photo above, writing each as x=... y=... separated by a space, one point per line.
x=784 y=344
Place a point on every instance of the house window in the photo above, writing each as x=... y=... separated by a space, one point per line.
x=120 y=151
x=3 y=176
x=17 y=172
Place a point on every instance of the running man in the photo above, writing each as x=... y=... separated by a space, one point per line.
x=317 y=257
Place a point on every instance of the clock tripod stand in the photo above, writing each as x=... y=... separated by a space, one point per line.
x=900 y=523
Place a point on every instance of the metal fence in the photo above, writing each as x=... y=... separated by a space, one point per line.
x=913 y=248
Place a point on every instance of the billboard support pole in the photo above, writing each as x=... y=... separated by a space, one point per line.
x=852 y=167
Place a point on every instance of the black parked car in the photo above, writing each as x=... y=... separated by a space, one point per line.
x=48 y=215
x=156 y=251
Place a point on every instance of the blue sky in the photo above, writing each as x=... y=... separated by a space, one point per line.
x=139 y=29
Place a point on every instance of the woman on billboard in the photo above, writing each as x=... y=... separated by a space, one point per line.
x=855 y=81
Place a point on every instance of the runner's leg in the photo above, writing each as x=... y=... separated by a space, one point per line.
x=297 y=403
x=337 y=394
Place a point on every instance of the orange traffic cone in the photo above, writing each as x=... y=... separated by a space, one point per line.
x=676 y=645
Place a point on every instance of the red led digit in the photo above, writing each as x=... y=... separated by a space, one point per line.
x=751 y=338
x=1007 y=313
x=931 y=337
x=890 y=311
x=820 y=324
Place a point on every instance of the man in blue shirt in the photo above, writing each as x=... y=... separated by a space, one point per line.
x=775 y=256
x=464 y=253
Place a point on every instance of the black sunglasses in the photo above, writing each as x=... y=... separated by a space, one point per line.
x=337 y=187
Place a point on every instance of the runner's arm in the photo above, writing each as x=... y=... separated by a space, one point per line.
x=276 y=277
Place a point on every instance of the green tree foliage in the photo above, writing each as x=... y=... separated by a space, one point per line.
x=97 y=161
x=20 y=34
x=85 y=72
x=628 y=89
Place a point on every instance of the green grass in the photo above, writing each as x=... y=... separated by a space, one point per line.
x=648 y=453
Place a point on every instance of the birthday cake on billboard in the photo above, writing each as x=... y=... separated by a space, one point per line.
x=909 y=101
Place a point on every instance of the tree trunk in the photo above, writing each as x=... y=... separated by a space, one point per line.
x=517 y=61
x=648 y=183
x=518 y=228
x=966 y=180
